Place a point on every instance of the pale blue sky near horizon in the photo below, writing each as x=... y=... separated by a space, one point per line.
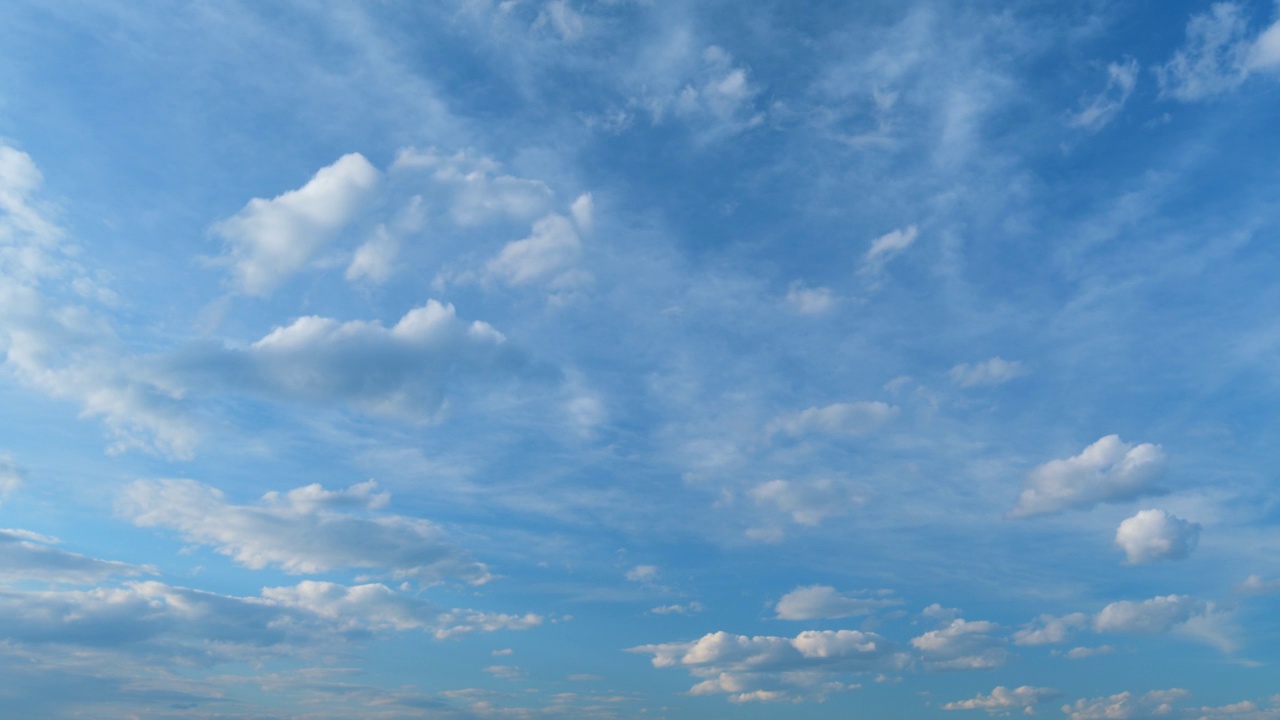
x=628 y=359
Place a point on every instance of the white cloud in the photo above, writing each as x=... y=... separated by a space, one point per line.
x=739 y=665
x=1125 y=706
x=374 y=261
x=567 y=22
x=548 y=255
x=962 y=645
x=464 y=622
x=643 y=573
x=1109 y=470
x=1219 y=55
x=270 y=240
x=505 y=672
x=402 y=371
x=1255 y=585
x=995 y=371
x=1080 y=653
x=812 y=602
x=886 y=248
x=481 y=192
x=306 y=530
x=26 y=555
x=1150 y=617
x=1049 y=629
x=1098 y=112
x=810 y=301
x=690 y=608
x=10 y=476
x=809 y=502
x=856 y=418
x=1002 y=700
x=1152 y=535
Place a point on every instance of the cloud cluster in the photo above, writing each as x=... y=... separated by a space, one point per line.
x=1161 y=614
x=1107 y=471
x=995 y=371
x=306 y=530
x=1125 y=705
x=809 y=502
x=1219 y=54
x=962 y=645
x=1002 y=700
x=847 y=419
x=1152 y=535
x=813 y=602
x=25 y=555
x=1099 y=111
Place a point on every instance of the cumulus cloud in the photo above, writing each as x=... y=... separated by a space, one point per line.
x=813 y=602
x=1097 y=112
x=811 y=662
x=1255 y=585
x=478 y=191
x=886 y=248
x=1152 y=535
x=808 y=503
x=547 y=256
x=271 y=240
x=1080 y=653
x=402 y=371
x=25 y=555
x=306 y=530
x=717 y=95
x=1109 y=470
x=1219 y=55
x=962 y=645
x=374 y=261
x=995 y=371
x=856 y=418
x=1125 y=705
x=1149 y=617
x=643 y=573
x=690 y=608
x=1002 y=700
x=1049 y=629
x=805 y=300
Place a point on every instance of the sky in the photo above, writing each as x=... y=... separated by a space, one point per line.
x=639 y=359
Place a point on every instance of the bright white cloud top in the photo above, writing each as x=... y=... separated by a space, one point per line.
x=616 y=360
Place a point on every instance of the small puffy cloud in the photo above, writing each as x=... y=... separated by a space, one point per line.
x=809 y=502
x=1002 y=700
x=813 y=602
x=643 y=573
x=804 y=300
x=1219 y=55
x=402 y=371
x=721 y=95
x=1080 y=653
x=270 y=240
x=505 y=672
x=481 y=192
x=856 y=418
x=1150 y=617
x=1109 y=470
x=690 y=608
x=464 y=622
x=547 y=256
x=1096 y=113
x=1255 y=585
x=962 y=645
x=374 y=261
x=1243 y=710
x=995 y=371
x=306 y=530
x=1152 y=535
x=1049 y=629
x=1125 y=706
x=11 y=476
x=886 y=248
x=26 y=555
x=813 y=661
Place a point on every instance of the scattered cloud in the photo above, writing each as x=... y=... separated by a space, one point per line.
x=1097 y=112
x=1152 y=535
x=813 y=602
x=856 y=418
x=995 y=371
x=804 y=300
x=1002 y=700
x=885 y=248
x=1049 y=629
x=25 y=555
x=548 y=256
x=306 y=530
x=1125 y=706
x=478 y=191
x=1255 y=585
x=690 y=608
x=1109 y=470
x=810 y=502
x=962 y=645
x=11 y=476
x=1219 y=55
x=643 y=573
x=270 y=240
x=1080 y=653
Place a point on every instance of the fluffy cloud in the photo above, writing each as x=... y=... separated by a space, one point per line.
x=1150 y=617
x=1125 y=706
x=739 y=665
x=401 y=371
x=1219 y=55
x=26 y=555
x=1049 y=629
x=478 y=191
x=678 y=609
x=995 y=371
x=270 y=240
x=886 y=248
x=1002 y=700
x=10 y=476
x=962 y=645
x=548 y=255
x=1154 y=535
x=1255 y=585
x=823 y=601
x=1096 y=113
x=306 y=530
x=856 y=418
x=1109 y=470
x=809 y=503
x=810 y=301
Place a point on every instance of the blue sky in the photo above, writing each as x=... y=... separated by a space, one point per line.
x=639 y=359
